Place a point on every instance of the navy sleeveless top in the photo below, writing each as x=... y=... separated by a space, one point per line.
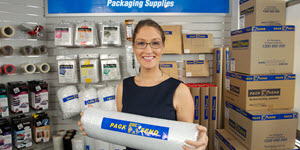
x=155 y=101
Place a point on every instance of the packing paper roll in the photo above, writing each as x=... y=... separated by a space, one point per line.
x=7 y=32
x=28 y=68
x=43 y=67
x=88 y=96
x=101 y=145
x=68 y=100
x=137 y=131
x=58 y=142
x=7 y=50
x=107 y=98
x=26 y=50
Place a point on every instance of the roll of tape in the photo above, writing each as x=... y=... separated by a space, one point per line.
x=43 y=67
x=7 y=50
x=41 y=50
x=28 y=68
x=7 y=32
x=0 y=70
x=26 y=50
x=9 y=69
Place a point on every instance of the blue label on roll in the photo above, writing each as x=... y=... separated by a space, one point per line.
x=91 y=101
x=109 y=98
x=196 y=115
x=218 y=58
x=214 y=106
x=87 y=147
x=206 y=108
x=135 y=128
x=69 y=98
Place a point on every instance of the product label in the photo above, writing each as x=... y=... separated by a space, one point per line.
x=135 y=128
x=247 y=11
x=196 y=115
x=219 y=136
x=109 y=98
x=3 y=106
x=234 y=89
x=243 y=1
x=197 y=36
x=214 y=107
x=226 y=112
x=242 y=131
x=166 y=65
x=261 y=77
x=91 y=101
x=63 y=36
x=84 y=36
x=227 y=83
x=71 y=97
x=39 y=100
x=263 y=92
x=22 y=138
x=19 y=102
x=188 y=74
x=6 y=142
x=186 y=50
x=218 y=59
x=111 y=35
x=242 y=21
x=227 y=67
x=191 y=62
x=232 y=64
x=242 y=44
x=206 y=108
x=168 y=32
x=263 y=29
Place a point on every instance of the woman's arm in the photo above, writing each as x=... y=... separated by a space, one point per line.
x=183 y=103
x=119 y=97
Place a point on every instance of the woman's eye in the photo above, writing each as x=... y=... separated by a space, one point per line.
x=155 y=43
x=141 y=43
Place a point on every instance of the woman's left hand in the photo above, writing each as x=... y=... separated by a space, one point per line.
x=202 y=141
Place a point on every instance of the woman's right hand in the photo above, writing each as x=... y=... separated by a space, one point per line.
x=79 y=122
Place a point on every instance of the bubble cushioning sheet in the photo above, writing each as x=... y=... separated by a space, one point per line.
x=107 y=98
x=68 y=101
x=88 y=96
x=137 y=131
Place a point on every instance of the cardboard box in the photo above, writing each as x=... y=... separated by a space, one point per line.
x=217 y=80
x=262 y=129
x=196 y=68
x=198 y=43
x=195 y=90
x=204 y=103
x=212 y=114
x=173 y=43
x=259 y=92
x=225 y=141
x=262 y=13
x=170 y=68
x=263 y=49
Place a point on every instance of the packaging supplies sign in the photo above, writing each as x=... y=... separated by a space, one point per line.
x=136 y=6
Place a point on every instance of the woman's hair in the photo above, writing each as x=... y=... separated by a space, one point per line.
x=149 y=23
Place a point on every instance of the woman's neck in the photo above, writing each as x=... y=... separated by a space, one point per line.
x=154 y=74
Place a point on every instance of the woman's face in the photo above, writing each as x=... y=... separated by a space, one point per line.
x=148 y=57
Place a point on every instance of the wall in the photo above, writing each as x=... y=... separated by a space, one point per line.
x=293 y=18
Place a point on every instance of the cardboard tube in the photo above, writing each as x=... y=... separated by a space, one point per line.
x=28 y=68
x=226 y=67
x=217 y=80
x=7 y=32
x=43 y=67
x=7 y=50
x=41 y=50
x=204 y=103
x=212 y=113
x=9 y=69
x=26 y=50
x=195 y=91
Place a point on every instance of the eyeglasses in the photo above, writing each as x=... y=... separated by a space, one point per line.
x=154 y=44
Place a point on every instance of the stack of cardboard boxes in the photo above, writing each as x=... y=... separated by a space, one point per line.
x=260 y=88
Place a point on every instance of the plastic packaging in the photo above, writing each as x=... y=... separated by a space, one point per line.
x=18 y=97
x=107 y=98
x=58 y=142
x=64 y=34
x=86 y=34
x=41 y=127
x=132 y=63
x=101 y=145
x=67 y=69
x=88 y=96
x=3 y=101
x=68 y=100
x=89 y=68
x=38 y=93
x=21 y=128
x=136 y=131
x=110 y=67
x=89 y=143
x=78 y=143
x=5 y=135
x=110 y=33
x=129 y=29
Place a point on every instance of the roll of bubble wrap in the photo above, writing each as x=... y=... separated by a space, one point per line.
x=101 y=145
x=58 y=142
x=88 y=96
x=107 y=98
x=68 y=101
x=78 y=143
x=117 y=147
x=137 y=131
x=89 y=143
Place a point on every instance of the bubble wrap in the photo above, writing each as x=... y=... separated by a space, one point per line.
x=136 y=131
x=88 y=96
x=89 y=143
x=116 y=147
x=68 y=101
x=78 y=143
x=107 y=98
x=101 y=145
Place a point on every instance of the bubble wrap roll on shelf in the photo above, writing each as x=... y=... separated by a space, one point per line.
x=137 y=131
x=68 y=101
x=101 y=145
x=88 y=96
x=107 y=98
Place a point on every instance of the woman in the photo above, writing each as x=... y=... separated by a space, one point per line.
x=153 y=93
